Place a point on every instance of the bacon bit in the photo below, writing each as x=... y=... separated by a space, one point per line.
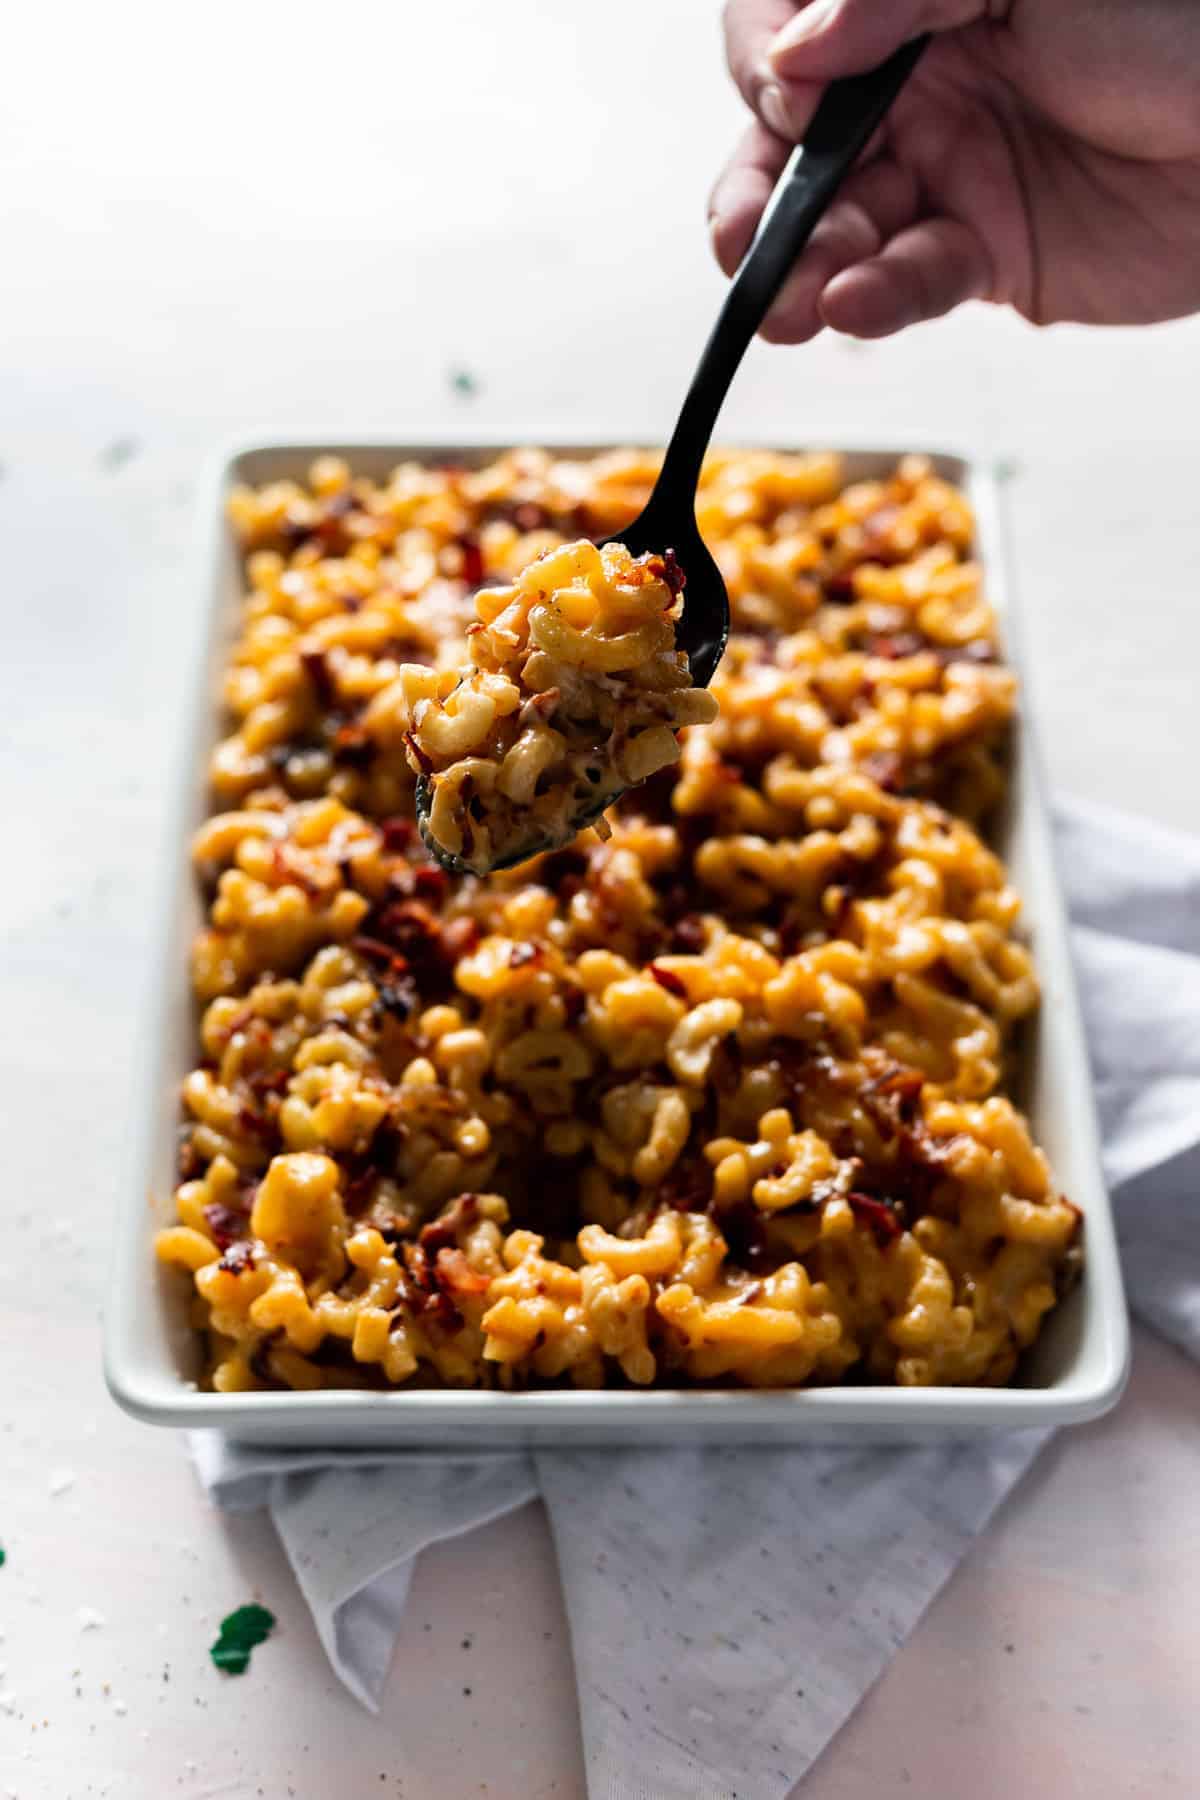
x=398 y=833
x=416 y=755
x=359 y=1191
x=667 y=568
x=885 y=768
x=421 y=1292
x=472 y=560
x=226 y=1224
x=253 y=1124
x=891 y=1104
x=316 y=666
x=668 y=979
x=416 y=935
x=460 y=937
x=294 y=532
x=238 y=1259
x=439 y=1234
x=920 y=1159
x=263 y=1082
x=430 y=883
x=839 y=587
x=521 y=956
x=543 y=703
x=880 y=1218
x=352 y=744
x=442 y=1232
x=900 y=1083
x=455 y=1272
x=403 y=922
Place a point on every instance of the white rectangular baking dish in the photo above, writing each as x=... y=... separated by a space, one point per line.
x=1079 y=1365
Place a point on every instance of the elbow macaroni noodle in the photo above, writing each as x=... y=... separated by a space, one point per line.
x=716 y=1098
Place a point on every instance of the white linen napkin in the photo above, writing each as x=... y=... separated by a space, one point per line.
x=721 y=1641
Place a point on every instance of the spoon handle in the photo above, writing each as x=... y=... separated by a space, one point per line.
x=850 y=111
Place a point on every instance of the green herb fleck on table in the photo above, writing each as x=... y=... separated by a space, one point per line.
x=240 y=1632
x=3 y=1556
x=463 y=382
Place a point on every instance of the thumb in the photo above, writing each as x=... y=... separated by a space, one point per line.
x=828 y=38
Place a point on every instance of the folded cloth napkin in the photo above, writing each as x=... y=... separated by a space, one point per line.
x=720 y=1642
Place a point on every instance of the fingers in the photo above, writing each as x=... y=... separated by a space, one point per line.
x=923 y=272
x=844 y=37
x=751 y=26
x=876 y=202
x=870 y=268
x=742 y=191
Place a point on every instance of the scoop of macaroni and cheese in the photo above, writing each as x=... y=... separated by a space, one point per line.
x=575 y=692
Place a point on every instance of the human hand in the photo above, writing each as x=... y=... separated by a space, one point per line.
x=1045 y=155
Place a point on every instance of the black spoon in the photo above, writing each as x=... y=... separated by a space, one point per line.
x=850 y=112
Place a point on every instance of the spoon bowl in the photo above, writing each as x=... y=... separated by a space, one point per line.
x=455 y=865
x=703 y=626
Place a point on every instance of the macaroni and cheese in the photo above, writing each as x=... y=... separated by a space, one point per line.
x=717 y=1098
x=575 y=692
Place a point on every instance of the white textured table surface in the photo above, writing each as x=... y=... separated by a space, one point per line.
x=291 y=216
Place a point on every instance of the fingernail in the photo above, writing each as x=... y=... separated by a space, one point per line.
x=801 y=29
x=774 y=109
